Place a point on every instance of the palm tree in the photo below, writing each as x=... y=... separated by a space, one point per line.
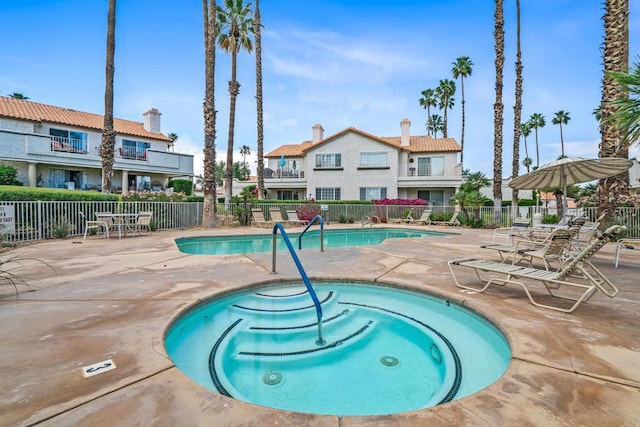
x=260 y=136
x=517 y=109
x=235 y=27
x=526 y=162
x=209 y=110
x=173 y=137
x=108 y=133
x=627 y=114
x=536 y=121
x=615 y=55
x=245 y=151
x=427 y=101
x=498 y=108
x=525 y=130
x=444 y=92
x=462 y=68
x=561 y=118
x=435 y=124
x=16 y=95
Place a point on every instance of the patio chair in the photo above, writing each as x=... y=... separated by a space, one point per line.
x=453 y=222
x=554 y=249
x=577 y=268
x=519 y=229
x=294 y=220
x=143 y=222
x=425 y=218
x=403 y=220
x=259 y=219
x=625 y=243
x=276 y=216
x=95 y=225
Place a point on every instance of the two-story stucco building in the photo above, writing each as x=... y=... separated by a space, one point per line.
x=60 y=148
x=356 y=165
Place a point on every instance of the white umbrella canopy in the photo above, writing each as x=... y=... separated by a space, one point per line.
x=569 y=171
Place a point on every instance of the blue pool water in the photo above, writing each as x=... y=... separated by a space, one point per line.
x=225 y=245
x=387 y=350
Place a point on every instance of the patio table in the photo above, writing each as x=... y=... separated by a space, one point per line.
x=124 y=219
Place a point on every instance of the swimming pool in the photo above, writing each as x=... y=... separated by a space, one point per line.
x=226 y=245
x=387 y=350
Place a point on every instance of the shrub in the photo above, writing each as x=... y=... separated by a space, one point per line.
x=61 y=229
x=184 y=186
x=8 y=175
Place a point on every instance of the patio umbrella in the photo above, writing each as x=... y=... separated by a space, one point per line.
x=569 y=171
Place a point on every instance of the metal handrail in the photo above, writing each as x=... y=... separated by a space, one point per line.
x=316 y=302
x=313 y=221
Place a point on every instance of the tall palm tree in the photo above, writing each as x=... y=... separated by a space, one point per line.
x=444 y=92
x=260 y=120
x=627 y=114
x=517 y=109
x=108 y=133
x=537 y=121
x=561 y=118
x=462 y=68
x=173 y=137
x=525 y=130
x=16 y=95
x=615 y=55
x=245 y=151
x=436 y=125
x=427 y=101
x=498 y=107
x=209 y=110
x=526 y=162
x=235 y=27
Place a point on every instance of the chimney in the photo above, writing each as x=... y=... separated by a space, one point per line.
x=317 y=133
x=152 y=121
x=405 y=124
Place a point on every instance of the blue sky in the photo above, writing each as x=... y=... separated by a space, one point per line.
x=338 y=63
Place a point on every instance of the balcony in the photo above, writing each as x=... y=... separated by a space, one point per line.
x=68 y=145
x=132 y=153
x=283 y=174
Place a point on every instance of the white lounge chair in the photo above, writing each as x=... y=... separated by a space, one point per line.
x=519 y=229
x=294 y=220
x=259 y=219
x=425 y=218
x=577 y=268
x=276 y=216
x=453 y=222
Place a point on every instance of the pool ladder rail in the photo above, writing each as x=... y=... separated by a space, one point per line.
x=314 y=297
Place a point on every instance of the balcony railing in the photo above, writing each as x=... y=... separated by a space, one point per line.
x=68 y=145
x=280 y=173
x=132 y=153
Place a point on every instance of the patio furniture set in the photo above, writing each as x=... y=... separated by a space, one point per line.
x=105 y=221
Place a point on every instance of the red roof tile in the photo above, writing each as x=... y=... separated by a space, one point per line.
x=417 y=144
x=35 y=112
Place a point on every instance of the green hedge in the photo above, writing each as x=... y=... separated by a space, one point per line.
x=16 y=193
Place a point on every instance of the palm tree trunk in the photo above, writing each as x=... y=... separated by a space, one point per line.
x=444 y=127
x=615 y=58
x=209 y=110
x=234 y=90
x=108 y=133
x=517 y=110
x=462 y=134
x=260 y=148
x=498 y=110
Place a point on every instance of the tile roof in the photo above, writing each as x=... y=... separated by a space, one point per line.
x=35 y=112
x=417 y=144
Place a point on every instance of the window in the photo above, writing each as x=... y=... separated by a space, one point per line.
x=374 y=160
x=373 y=193
x=134 y=149
x=431 y=166
x=328 y=160
x=69 y=141
x=328 y=193
x=434 y=197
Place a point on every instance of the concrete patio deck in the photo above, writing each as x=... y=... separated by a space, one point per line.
x=113 y=299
